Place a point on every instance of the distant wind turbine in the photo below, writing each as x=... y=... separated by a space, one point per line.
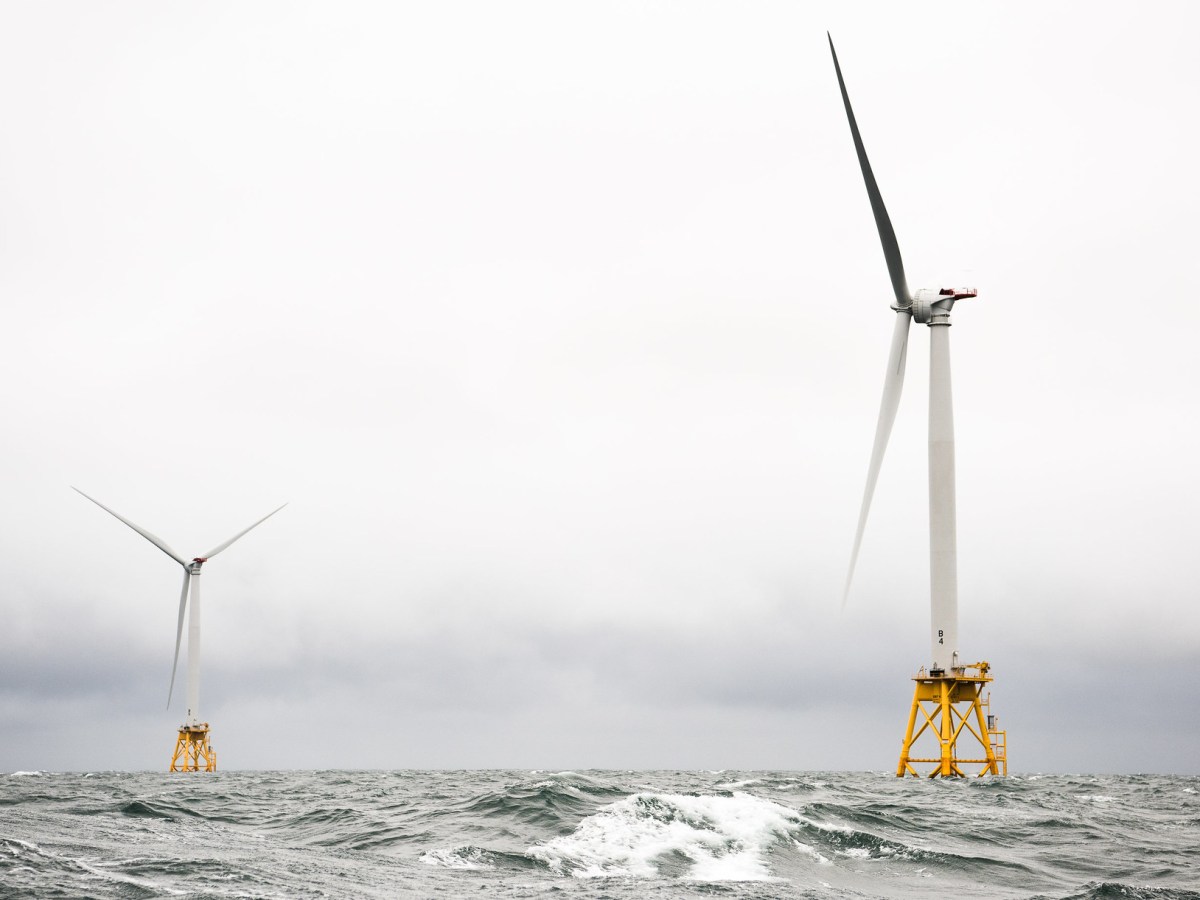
x=192 y=746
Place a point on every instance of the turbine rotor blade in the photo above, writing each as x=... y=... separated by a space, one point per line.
x=211 y=553
x=154 y=539
x=887 y=236
x=187 y=582
x=893 y=383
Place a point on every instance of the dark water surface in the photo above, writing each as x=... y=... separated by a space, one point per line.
x=597 y=835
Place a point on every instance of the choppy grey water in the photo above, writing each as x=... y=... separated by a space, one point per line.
x=597 y=835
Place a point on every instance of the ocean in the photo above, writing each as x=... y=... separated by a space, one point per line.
x=597 y=834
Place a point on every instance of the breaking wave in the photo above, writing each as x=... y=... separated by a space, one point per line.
x=701 y=837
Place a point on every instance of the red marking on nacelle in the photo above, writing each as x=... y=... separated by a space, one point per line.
x=959 y=293
x=200 y=559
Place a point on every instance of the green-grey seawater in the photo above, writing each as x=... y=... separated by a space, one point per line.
x=597 y=834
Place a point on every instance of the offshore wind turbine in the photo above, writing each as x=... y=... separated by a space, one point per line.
x=192 y=748
x=952 y=691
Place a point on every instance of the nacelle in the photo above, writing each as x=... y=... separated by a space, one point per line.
x=959 y=293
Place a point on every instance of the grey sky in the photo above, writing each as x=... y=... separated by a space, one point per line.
x=562 y=328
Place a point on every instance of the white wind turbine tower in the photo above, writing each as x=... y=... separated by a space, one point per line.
x=192 y=749
x=948 y=684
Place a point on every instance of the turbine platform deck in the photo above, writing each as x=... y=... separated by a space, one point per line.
x=949 y=704
x=193 y=752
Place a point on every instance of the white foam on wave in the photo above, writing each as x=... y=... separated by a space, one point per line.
x=20 y=774
x=121 y=878
x=16 y=845
x=456 y=858
x=813 y=852
x=101 y=870
x=723 y=838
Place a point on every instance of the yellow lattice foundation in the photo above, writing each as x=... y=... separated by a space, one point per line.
x=947 y=705
x=193 y=752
